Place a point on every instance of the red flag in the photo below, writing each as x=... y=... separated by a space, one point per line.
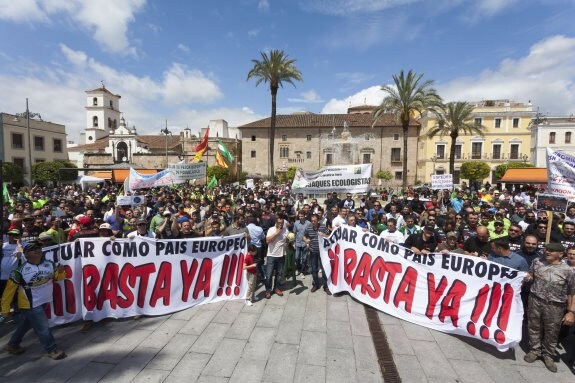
x=201 y=147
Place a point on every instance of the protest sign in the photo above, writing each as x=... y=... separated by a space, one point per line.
x=560 y=174
x=125 y=200
x=142 y=276
x=250 y=183
x=442 y=181
x=142 y=181
x=342 y=179
x=188 y=171
x=554 y=203
x=452 y=293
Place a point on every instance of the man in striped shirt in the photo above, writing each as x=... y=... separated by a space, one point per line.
x=311 y=239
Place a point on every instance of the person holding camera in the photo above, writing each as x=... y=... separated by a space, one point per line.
x=277 y=241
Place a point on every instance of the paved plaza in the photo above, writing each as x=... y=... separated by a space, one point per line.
x=300 y=337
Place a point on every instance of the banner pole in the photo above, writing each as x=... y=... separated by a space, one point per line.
x=549 y=224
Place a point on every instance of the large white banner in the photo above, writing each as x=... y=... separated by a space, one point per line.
x=142 y=181
x=453 y=293
x=185 y=171
x=143 y=276
x=341 y=179
x=560 y=174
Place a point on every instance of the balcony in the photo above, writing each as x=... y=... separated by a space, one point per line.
x=503 y=157
x=295 y=160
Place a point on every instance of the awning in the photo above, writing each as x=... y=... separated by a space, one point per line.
x=120 y=175
x=525 y=175
x=102 y=174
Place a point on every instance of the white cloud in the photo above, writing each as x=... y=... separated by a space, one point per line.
x=370 y=96
x=546 y=76
x=310 y=96
x=107 y=20
x=263 y=5
x=184 y=48
x=350 y=7
x=254 y=33
x=491 y=7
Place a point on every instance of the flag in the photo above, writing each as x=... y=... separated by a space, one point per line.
x=220 y=160
x=5 y=194
x=201 y=148
x=225 y=152
x=213 y=182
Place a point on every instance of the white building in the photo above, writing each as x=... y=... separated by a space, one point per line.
x=551 y=132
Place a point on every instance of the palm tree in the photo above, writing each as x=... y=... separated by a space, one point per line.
x=455 y=119
x=274 y=69
x=410 y=96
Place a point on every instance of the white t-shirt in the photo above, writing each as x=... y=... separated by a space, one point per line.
x=338 y=221
x=277 y=246
x=395 y=237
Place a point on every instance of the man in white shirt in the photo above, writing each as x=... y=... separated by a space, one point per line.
x=277 y=241
x=340 y=220
x=142 y=230
x=392 y=234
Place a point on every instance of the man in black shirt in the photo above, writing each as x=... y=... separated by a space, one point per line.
x=478 y=245
x=423 y=242
x=515 y=237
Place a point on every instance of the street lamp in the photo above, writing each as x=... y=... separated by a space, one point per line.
x=166 y=133
x=27 y=115
x=433 y=159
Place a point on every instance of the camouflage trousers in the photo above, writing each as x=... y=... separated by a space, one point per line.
x=544 y=322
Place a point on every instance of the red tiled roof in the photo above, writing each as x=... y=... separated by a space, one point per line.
x=326 y=120
x=100 y=144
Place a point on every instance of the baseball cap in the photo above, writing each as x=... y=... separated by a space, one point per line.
x=428 y=228
x=44 y=236
x=14 y=232
x=31 y=246
x=85 y=221
x=142 y=221
x=167 y=212
x=452 y=234
x=554 y=246
x=105 y=226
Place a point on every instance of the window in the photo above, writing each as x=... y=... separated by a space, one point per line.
x=395 y=155
x=367 y=137
x=19 y=161
x=17 y=141
x=115 y=124
x=57 y=145
x=308 y=155
x=514 y=152
x=458 y=152
x=284 y=137
x=396 y=137
x=284 y=151
x=38 y=160
x=476 y=149
x=253 y=138
x=496 y=151
x=95 y=101
x=552 y=137
x=308 y=137
x=298 y=155
x=366 y=158
x=567 y=137
x=440 y=152
x=478 y=121
x=111 y=104
x=39 y=143
x=398 y=176
x=329 y=158
x=109 y=123
x=515 y=122
x=440 y=172
x=253 y=154
x=95 y=121
x=498 y=123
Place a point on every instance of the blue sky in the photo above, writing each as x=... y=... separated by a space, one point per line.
x=187 y=61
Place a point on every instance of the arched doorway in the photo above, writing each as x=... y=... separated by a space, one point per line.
x=122 y=152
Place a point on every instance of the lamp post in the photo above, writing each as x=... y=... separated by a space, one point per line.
x=166 y=133
x=27 y=114
x=433 y=159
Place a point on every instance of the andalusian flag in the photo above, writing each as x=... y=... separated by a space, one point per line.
x=225 y=152
x=5 y=194
x=220 y=160
x=202 y=147
x=213 y=182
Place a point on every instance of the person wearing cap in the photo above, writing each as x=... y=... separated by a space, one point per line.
x=423 y=242
x=450 y=244
x=32 y=283
x=498 y=230
x=551 y=303
x=141 y=230
x=12 y=256
x=87 y=229
x=105 y=231
x=46 y=239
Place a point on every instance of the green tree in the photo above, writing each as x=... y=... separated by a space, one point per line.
x=12 y=172
x=276 y=68
x=242 y=177
x=384 y=175
x=220 y=173
x=501 y=169
x=474 y=170
x=410 y=96
x=455 y=119
x=290 y=173
x=51 y=171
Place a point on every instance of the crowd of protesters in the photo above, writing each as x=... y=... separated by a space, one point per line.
x=502 y=226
